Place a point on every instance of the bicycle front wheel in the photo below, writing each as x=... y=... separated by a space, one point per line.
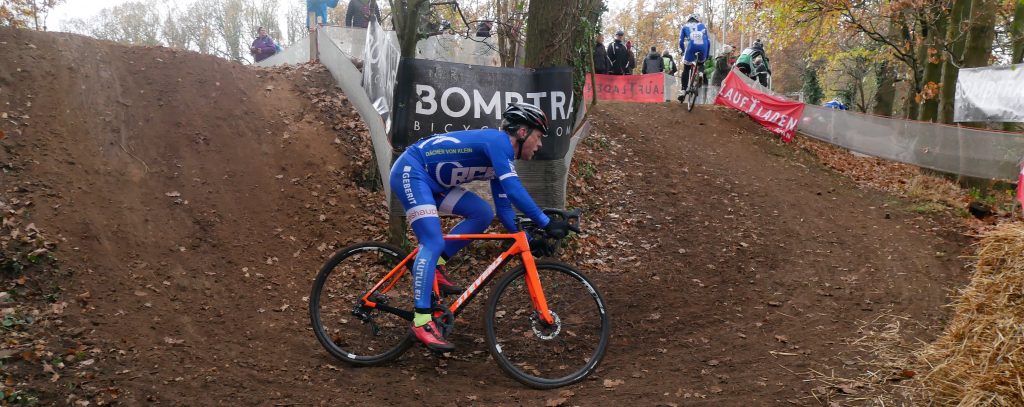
x=348 y=329
x=541 y=356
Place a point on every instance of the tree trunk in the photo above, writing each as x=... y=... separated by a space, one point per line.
x=406 y=19
x=981 y=34
x=509 y=30
x=1017 y=47
x=933 y=67
x=956 y=38
x=549 y=27
x=1017 y=34
x=912 y=107
x=886 y=93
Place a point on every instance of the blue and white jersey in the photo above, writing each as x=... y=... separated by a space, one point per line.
x=455 y=158
x=694 y=38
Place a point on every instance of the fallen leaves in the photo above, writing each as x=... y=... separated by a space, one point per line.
x=172 y=341
x=609 y=383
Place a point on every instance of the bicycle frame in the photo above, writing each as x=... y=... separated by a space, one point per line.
x=520 y=247
x=694 y=74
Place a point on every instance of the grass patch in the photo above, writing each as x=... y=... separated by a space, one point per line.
x=929 y=207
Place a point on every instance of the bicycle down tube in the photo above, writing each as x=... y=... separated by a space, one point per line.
x=521 y=247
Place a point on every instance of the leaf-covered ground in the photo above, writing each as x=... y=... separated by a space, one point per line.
x=191 y=201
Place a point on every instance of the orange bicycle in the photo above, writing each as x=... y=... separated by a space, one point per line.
x=545 y=323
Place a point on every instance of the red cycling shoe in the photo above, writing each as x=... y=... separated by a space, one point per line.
x=431 y=336
x=444 y=285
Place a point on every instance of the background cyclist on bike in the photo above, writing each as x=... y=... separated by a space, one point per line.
x=426 y=179
x=754 y=63
x=693 y=39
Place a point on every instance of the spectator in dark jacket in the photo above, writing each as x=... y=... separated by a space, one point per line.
x=602 y=65
x=669 y=63
x=359 y=12
x=263 y=46
x=632 y=58
x=618 y=54
x=483 y=28
x=722 y=66
x=653 y=62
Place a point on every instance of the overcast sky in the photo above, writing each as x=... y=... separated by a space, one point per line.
x=88 y=8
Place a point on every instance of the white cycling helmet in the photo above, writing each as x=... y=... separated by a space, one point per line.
x=693 y=17
x=727 y=49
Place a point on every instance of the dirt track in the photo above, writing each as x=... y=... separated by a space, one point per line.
x=743 y=263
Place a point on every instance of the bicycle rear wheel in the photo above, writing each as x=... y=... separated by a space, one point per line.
x=349 y=330
x=546 y=357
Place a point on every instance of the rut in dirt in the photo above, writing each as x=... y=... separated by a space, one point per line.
x=195 y=199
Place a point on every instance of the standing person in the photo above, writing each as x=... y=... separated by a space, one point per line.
x=317 y=9
x=602 y=65
x=693 y=39
x=263 y=46
x=618 y=54
x=426 y=180
x=632 y=58
x=669 y=63
x=709 y=69
x=359 y=12
x=653 y=62
x=722 y=66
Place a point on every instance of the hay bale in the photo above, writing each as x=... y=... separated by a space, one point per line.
x=979 y=359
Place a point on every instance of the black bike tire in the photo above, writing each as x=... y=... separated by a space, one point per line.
x=691 y=93
x=314 y=307
x=511 y=369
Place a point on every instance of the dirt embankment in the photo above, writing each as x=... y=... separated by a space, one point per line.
x=193 y=200
x=189 y=197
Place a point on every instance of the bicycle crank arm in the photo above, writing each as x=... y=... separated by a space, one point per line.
x=406 y=315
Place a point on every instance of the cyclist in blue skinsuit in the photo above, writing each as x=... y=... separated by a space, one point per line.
x=426 y=178
x=693 y=38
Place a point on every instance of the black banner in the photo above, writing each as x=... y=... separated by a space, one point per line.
x=438 y=97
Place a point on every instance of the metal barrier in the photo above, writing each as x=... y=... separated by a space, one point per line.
x=951 y=149
x=348 y=78
x=296 y=53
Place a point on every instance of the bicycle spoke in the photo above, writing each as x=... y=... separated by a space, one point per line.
x=355 y=333
x=548 y=356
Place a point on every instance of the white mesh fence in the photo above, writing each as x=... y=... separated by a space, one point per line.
x=951 y=149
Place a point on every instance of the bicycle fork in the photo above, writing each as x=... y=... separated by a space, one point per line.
x=540 y=303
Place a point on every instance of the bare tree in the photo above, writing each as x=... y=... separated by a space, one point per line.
x=261 y=13
x=510 y=17
x=134 y=22
x=295 y=21
x=26 y=13
x=231 y=27
x=173 y=33
x=200 y=23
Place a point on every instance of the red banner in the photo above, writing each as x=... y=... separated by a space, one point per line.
x=648 y=88
x=774 y=113
x=1020 y=187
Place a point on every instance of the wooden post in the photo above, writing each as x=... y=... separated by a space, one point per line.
x=314 y=51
